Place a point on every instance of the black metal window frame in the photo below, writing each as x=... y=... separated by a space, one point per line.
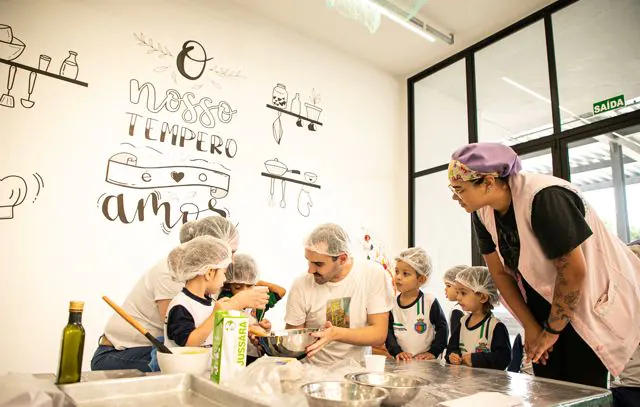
x=557 y=143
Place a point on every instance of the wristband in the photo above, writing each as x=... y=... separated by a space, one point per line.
x=547 y=328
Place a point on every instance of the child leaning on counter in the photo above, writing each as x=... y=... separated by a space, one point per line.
x=201 y=263
x=480 y=339
x=417 y=326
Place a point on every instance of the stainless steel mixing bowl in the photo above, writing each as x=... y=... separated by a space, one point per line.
x=402 y=388
x=290 y=343
x=343 y=394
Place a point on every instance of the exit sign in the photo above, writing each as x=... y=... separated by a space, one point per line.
x=609 y=104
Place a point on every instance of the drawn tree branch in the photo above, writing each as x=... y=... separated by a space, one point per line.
x=157 y=47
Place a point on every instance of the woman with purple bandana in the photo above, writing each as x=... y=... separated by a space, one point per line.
x=570 y=283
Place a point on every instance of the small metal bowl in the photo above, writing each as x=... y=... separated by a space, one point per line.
x=402 y=388
x=343 y=394
x=288 y=343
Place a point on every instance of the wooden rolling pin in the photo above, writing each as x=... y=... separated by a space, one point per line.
x=161 y=347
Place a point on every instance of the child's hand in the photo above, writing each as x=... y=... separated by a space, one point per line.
x=250 y=299
x=425 y=356
x=455 y=359
x=404 y=356
x=466 y=359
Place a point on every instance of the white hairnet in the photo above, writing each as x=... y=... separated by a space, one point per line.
x=418 y=259
x=215 y=226
x=479 y=280
x=198 y=256
x=451 y=274
x=243 y=270
x=328 y=239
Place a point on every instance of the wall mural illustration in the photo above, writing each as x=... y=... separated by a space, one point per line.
x=191 y=63
x=185 y=179
x=14 y=190
x=280 y=103
x=193 y=189
x=11 y=48
x=278 y=171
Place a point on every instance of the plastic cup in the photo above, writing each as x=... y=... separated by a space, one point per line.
x=375 y=363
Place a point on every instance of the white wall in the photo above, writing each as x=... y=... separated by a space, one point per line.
x=60 y=247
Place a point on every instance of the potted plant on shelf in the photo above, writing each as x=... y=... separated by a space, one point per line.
x=313 y=111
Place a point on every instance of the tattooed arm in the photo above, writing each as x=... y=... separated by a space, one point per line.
x=568 y=289
x=566 y=294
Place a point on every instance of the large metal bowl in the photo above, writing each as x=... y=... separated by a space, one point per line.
x=288 y=343
x=343 y=394
x=402 y=388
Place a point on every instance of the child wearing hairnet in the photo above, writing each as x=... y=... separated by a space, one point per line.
x=452 y=295
x=417 y=326
x=201 y=264
x=480 y=340
x=242 y=275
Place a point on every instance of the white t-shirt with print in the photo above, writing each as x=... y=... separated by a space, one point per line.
x=155 y=285
x=365 y=290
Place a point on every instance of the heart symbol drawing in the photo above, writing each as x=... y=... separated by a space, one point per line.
x=177 y=176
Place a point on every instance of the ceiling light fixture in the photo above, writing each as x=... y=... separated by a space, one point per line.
x=401 y=17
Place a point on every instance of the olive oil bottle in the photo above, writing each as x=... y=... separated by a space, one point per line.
x=72 y=346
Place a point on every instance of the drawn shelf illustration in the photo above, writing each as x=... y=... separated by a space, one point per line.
x=11 y=48
x=280 y=103
x=277 y=170
x=123 y=170
x=13 y=192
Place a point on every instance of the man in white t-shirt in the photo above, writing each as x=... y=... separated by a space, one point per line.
x=350 y=298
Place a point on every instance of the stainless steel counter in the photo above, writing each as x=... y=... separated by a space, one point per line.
x=451 y=382
x=446 y=383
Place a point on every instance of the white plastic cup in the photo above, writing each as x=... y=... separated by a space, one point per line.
x=375 y=363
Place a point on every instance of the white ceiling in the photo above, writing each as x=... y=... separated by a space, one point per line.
x=392 y=47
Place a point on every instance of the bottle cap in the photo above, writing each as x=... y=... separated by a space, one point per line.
x=76 y=306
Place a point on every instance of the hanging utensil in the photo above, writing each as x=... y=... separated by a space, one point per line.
x=161 y=347
x=28 y=103
x=271 y=191
x=277 y=129
x=6 y=99
x=283 y=203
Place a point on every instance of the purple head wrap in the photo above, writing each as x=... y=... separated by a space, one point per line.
x=479 y=160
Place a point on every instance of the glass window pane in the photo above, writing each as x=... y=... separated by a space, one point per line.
x=597 y=165
x=442 y=228
x=597 y=57
x=539 y=162
x=512 y=82
x=440 y=103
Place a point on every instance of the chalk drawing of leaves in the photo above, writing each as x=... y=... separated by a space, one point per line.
x=215 y=84
x=161 y=68
x=196 y=87
x=173 y=76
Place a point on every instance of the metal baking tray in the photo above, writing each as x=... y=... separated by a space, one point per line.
x=154 y=391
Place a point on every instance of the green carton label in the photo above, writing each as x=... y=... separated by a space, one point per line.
x=229 y=345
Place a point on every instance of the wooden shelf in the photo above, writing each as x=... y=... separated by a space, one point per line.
x=295 y=181
x=293 y=114
x=45 y=73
